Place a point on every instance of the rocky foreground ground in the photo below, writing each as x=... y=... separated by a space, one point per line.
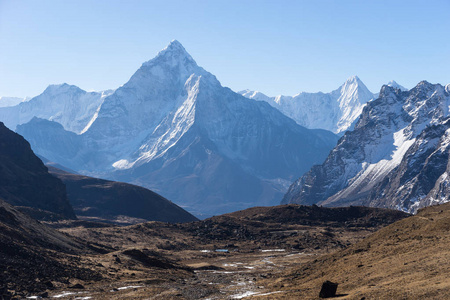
x=284 y=252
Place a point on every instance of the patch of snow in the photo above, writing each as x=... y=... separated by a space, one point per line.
x=130 y=287
x=243 y=295
x=64 y=294
x=122 y=164
x=270 y=293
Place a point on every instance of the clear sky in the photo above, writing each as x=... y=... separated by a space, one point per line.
x=276 y=47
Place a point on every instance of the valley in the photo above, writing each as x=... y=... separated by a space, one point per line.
x=224 y=257
x=287 y=259
x=217 y=150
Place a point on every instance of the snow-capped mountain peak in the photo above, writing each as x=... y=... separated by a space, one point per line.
x=353 y=80
x=353 y=91
x=390 y=158
x=173 y=55
x=336 y=111
x=63 y=88
x=394 y=84
x=255 y=95
x=172 y=127
x=67 y=104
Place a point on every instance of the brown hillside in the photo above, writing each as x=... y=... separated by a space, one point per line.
x=409 y=259
x=32 y=255
x=118 y=202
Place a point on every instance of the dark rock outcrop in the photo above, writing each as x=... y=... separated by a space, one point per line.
x=328 y=289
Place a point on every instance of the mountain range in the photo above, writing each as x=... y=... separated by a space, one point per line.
x=174 y=129
x=66 y=104
x=336 y=111
x=397 y=156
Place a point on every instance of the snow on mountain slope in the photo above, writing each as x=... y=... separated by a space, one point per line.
x=255 y=95
x=66 y=104
x=367 y=159
x=335 y=111
x=394 y=84
x=11 y=101
x=174 y=129
x=421 y=179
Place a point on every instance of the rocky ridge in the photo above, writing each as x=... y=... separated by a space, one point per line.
x=396 y=156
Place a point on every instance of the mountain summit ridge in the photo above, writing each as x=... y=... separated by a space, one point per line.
x=335 y=111
x=174 y=125
x=393 y=157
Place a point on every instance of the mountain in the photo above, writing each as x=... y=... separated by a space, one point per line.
x=395 y=85
x=397 y=156
x=117 y=201
x=68 y=105
x=25 y=181
x=11 y=101
x=174 y=129
x=335 y=111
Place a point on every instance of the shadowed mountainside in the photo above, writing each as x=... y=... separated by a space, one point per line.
x=118 y=202
x=25 y=181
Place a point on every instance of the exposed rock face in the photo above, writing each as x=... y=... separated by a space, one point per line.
x=174 y=129
x=118 y=201
x=25 y=181
x=397 y=156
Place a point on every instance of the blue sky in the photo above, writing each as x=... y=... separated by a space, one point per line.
x=276 y=47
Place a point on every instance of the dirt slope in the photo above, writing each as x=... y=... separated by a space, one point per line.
x=409 y=259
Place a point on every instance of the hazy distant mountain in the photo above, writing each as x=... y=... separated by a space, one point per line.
x=174 y=129
x=335 y=111
x=11 y=101
x=397 y=156
x=68 y=105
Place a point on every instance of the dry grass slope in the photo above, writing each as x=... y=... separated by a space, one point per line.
x=409 y=259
